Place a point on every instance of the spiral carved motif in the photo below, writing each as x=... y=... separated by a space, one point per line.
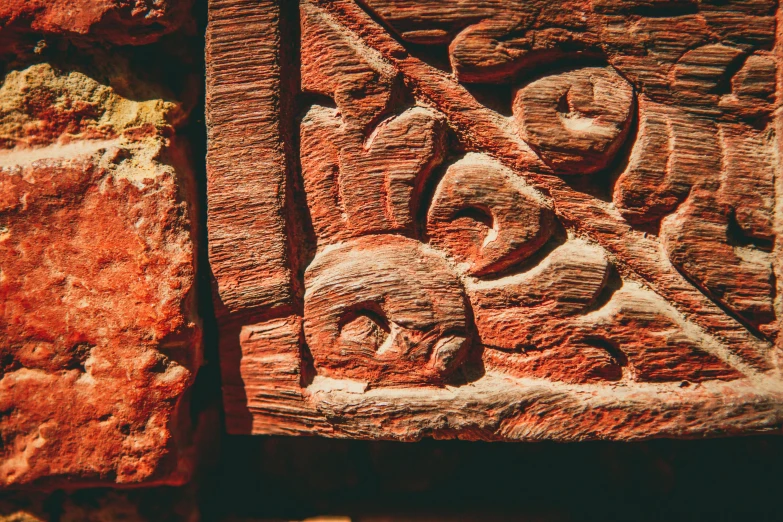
x=578 y=120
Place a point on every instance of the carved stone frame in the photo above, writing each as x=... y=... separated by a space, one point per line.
x=255 y=200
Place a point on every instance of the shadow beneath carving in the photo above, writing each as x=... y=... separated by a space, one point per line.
x=293 y=478
x=614 y=282
x=434 y=55
x=472 y=368
x=495 y=97
x=299 y=225
x=614 y=372
x=307 y=364
x=737 y=237
x=299 y=210
x=560 y=64
x=306 y=100
x=422 y=197
x=236 y=412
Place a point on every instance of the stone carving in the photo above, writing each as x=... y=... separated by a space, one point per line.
x=495 y=39
x=576 y=121
x=482 y=214
x=602 y=246
x=707 y=84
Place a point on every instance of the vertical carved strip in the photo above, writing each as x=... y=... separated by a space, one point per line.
x=246 y=163
x=253 y=247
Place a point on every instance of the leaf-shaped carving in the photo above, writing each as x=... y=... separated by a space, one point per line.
x=718 y=178
x=658 y=344
x=648 y=190
x=361 y=165
x=696 y=77
x=634 y=329
x=739 y=276
x=356 y=187
x=645 y=40
x=498 y=40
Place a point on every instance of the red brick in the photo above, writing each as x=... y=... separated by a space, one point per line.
x=99 y=334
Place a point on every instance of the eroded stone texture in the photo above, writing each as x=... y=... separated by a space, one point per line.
x=121 y=22
x=99 y=338
x=567 y=230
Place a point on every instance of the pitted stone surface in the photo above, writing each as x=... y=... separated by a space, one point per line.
x=99 y=336
x=120 y=22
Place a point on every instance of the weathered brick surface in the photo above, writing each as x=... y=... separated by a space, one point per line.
x=509 y=220
x=99 y=335
x=120 y=22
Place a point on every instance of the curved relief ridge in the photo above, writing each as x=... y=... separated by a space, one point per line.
x=356 y=186
x=384 y=309
x=491 y=40
x=577 y=120
x=634 y=335
x=482 y=216
x=362 y=163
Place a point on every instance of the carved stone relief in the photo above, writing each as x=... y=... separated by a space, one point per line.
x=496 y=219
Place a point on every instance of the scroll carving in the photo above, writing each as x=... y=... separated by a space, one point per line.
x=705 y=79
x=384 y=310
x=483 y=215
x=578 y=120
